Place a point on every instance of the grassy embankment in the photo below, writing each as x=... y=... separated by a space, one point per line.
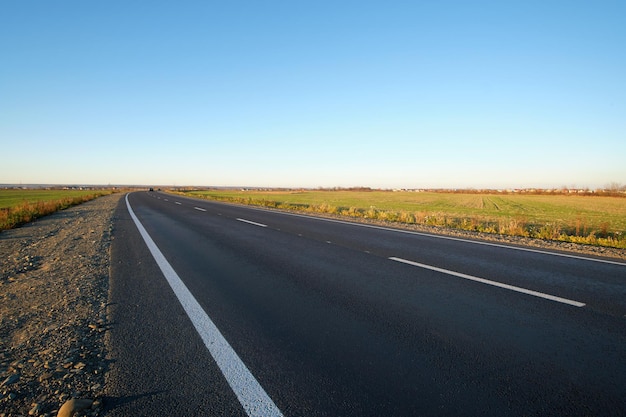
x=22 y=206
x=593 y=220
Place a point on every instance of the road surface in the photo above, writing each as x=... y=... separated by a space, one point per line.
x=219 y=309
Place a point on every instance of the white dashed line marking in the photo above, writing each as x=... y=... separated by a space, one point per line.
x=493 y=283
x=251 y=222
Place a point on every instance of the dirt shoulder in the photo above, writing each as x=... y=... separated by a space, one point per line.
x=54 y=276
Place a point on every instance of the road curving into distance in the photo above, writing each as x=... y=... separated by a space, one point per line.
x=219 y=309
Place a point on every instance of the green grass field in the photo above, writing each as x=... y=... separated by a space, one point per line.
x=19 y=206
x=15 y=197
x=595 y=220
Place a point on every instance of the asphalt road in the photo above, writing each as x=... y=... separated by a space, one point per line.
x=328 y=318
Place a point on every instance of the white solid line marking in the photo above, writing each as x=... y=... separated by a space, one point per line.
x=249 y=392
x=201 y=209
x=251 y=222
x=494 y=283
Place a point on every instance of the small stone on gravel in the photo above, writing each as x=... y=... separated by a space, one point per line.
x=10 y=380
x=74 y=405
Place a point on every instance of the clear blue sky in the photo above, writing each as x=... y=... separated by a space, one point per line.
x=314 y=93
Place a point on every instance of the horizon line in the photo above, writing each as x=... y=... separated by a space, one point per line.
x=610 y=187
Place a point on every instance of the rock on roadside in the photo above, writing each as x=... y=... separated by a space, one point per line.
x=54 y=276
x=73 y=406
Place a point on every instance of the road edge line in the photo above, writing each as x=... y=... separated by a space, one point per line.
x=249 y=392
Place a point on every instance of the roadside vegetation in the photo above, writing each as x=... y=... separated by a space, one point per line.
x=585 y=218
x=20 y=206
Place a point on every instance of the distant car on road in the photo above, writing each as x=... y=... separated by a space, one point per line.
x=151 y=189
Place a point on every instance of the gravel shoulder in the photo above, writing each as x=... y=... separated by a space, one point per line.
x=575 y=249
x=54 y=281
x=54 y=276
